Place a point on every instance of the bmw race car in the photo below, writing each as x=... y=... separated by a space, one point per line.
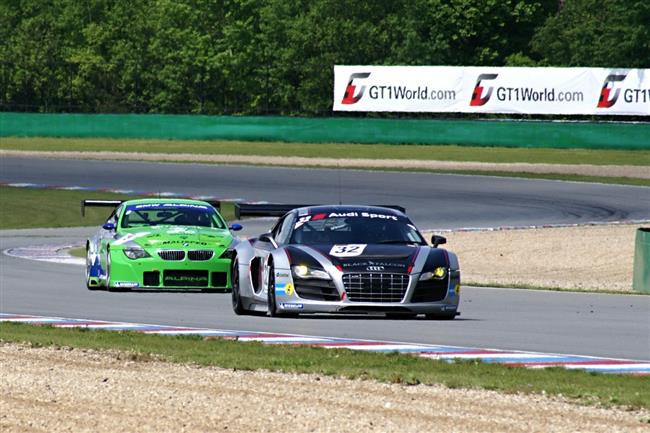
x=345 y=259
x=160 y=244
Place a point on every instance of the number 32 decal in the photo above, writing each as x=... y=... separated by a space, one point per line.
x=349 y=250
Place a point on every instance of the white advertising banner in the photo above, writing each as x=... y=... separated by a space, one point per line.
x=473 y=89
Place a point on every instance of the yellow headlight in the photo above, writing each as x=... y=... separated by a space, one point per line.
x=439 y=272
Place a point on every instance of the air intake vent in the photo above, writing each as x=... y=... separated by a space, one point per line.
x=375 y=287
x=200 y=255
x=172 y=254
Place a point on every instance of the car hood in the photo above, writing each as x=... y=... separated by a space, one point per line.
x=372 y=257
x=176 y=237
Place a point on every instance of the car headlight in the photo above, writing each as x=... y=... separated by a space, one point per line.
x=304 y=272
x=437 y=274
x=135 y=253
x=227 y=254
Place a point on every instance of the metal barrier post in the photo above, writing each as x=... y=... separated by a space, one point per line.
x=641 y=278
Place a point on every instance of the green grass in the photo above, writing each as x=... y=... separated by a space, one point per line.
x=22 y=208
x=583 y=387
x=78 y=252
x=547 y=176
x=30 y=208
x=334 y=150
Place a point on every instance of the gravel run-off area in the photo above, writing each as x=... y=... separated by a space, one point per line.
x=596 y=258
x=65 y=390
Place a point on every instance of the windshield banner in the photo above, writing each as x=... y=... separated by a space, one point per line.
x=472 y=89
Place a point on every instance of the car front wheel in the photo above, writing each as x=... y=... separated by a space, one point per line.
x=89 y=264
x=237 y=305
x=273 y=312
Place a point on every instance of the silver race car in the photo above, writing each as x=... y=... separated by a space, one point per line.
x=345 y=259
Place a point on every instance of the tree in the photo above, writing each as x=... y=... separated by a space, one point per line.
x=597 y=33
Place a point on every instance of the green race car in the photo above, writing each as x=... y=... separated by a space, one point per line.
x=160 y=244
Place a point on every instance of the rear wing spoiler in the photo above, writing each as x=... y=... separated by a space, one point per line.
x=116 y=203
x=261 y=210
x=98 y=203
x=277 y=210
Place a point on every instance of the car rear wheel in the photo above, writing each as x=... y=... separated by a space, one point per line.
x=237 y=304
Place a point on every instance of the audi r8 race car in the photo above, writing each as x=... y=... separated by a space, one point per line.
x=345 y=259
x=160 y=244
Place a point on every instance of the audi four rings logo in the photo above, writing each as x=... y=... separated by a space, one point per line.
x=375 y=268
x=350 y=97
x=477 y=95
x=606 y=92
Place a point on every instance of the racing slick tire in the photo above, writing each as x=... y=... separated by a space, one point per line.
x=272 y=303
x=237 y=304
x=108 y=274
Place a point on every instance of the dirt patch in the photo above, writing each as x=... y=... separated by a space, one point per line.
x=631 y=171
x=56 y=390
x=578 y=258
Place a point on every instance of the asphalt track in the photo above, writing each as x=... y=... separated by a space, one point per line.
x=572 y=323
x=433 y=201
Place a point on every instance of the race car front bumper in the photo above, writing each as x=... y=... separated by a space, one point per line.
x=150 y=273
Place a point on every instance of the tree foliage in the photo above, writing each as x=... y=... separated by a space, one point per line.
x=274 y=56
x=598 y=33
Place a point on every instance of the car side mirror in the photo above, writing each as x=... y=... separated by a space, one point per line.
x=109 y=226
x=438 y=240
x=268 y=237
x=235 y=227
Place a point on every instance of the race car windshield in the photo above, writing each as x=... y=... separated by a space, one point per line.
x=185 y=215
x=381 y=229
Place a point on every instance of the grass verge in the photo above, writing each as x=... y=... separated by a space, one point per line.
x=523 y=175
x=583 y=387
x=22 y=208
x=333 y=150
x=78 y=252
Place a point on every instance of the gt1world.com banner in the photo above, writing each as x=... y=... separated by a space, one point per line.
x=492 y=90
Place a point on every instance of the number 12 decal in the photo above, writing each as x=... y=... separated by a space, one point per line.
x=349 y=250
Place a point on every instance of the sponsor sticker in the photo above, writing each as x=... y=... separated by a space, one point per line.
x=454 y=290
x=126 y=284
x=303 y=219
x=180 y=230
x=284 y=289
x=168 y=206
x=291 y=306
x=129 y=237
x=349 y=250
